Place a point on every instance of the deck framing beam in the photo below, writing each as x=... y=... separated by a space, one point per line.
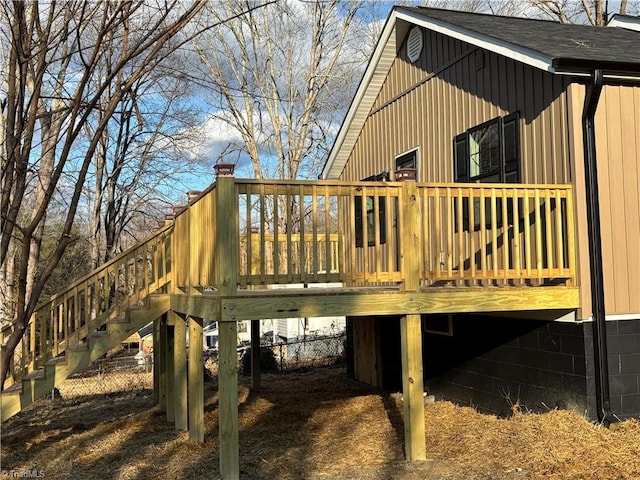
x=320 y=302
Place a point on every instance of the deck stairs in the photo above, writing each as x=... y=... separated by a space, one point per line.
x=64 y=336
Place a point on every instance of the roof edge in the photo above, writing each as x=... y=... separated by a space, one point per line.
x=624 y=21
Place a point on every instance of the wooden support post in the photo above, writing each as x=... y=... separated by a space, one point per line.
x=162 y=363
x=255 y=354
x=412 y=387
x=255 y=324
x=32 y=343
x=411 y=329
x=196 y=381
x=171 y=400
x=156 y=361
x=228 y=400
x=226 y=257
x=180 y=372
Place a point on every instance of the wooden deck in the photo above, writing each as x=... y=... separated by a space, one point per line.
x=397 y=248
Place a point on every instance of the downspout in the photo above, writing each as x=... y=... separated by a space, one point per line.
x=603 y=399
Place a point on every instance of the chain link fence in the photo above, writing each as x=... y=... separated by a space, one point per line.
x=135 y=372
x=109 y=375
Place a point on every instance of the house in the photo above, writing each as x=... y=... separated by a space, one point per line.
x=466 y=97
x=455 y=228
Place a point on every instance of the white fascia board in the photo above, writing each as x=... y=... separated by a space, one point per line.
x=617 y=317
x=523 y=55
x=371 y=83
x=624 y=21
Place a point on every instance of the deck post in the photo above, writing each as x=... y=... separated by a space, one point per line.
x=255 y=262
x=196 y=381
x=180 y=372
x=156 y=361
x=171 y=399
x=162 y=363
x=226 y=257
x=411 y=328
x=255 y=355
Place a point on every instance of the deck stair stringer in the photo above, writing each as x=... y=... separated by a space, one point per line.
x=77 y=357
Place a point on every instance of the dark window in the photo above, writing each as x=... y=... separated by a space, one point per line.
x=370 y=215
x=407 y=160
x=407 y=166
x=488 y=153
x=439 y=324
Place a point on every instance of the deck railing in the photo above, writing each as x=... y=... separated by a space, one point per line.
x=322 y=231
x=498 y=232
x=69 y=316
x=351 y=232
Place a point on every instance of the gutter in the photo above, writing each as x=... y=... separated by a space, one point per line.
x=603 y=399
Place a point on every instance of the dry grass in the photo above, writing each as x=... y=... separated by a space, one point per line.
x=315 y=425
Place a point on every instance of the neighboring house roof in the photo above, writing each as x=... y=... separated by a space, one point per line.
x=551 y=46
x=146 y=330
x=624 y=21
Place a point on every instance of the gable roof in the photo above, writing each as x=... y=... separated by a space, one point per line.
x=563 y=47
x=551 y=46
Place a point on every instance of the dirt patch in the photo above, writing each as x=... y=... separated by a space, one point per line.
x=314 y=425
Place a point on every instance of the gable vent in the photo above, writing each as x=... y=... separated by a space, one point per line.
x=414 y=44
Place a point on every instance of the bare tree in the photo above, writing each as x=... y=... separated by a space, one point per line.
x=139 y=152
x=275 y=77
x=50 y=90
x=594 y=12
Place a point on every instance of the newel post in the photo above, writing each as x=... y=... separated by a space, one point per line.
x=226 y=255
x=410 y=327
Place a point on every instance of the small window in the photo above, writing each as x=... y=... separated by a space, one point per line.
x=438 y=324
x=404 y=162
x=407 y=160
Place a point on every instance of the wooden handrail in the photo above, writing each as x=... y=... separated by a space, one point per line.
x=67 y=317
x=498 y=232
x=334 y=231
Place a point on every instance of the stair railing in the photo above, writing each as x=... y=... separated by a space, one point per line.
x=70 y=316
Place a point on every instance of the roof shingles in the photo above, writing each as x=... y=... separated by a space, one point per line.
x=567 y=44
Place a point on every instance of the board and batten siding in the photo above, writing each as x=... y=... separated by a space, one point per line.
x=426 y=104
x=617 y=126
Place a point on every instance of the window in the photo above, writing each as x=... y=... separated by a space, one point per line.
x=438 y=324
x=406 y=161
x=488 y=153
x=370 y=215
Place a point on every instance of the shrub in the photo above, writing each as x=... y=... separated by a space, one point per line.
x=268 y=361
